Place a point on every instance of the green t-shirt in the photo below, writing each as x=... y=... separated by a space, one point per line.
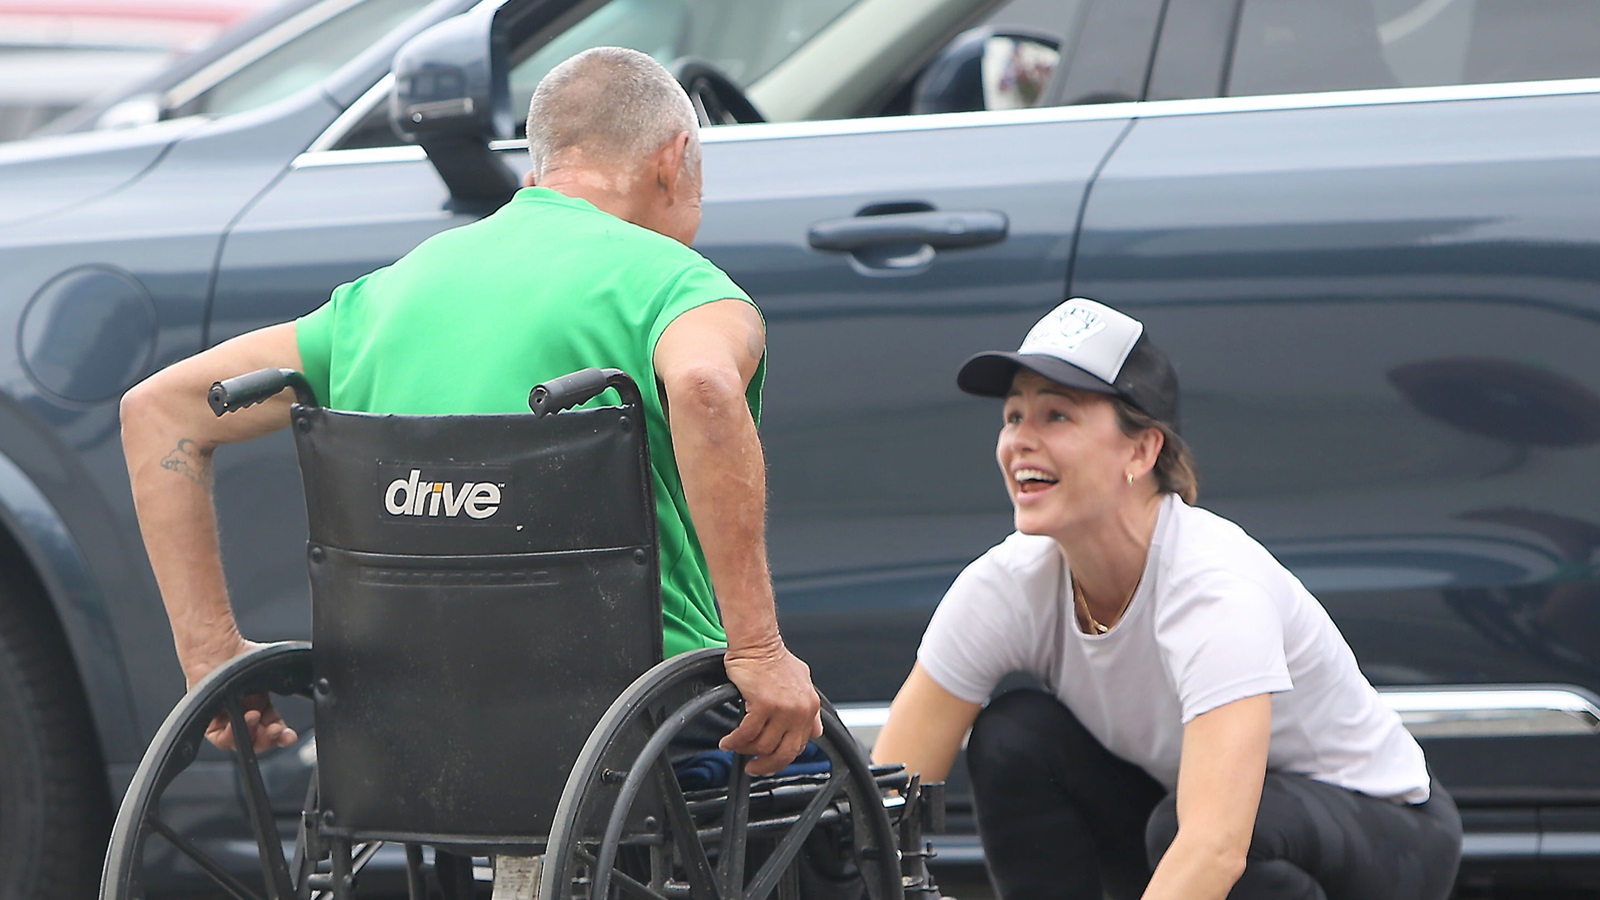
x=475 y=316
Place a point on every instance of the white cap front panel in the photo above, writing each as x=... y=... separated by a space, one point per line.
x=1092 y=336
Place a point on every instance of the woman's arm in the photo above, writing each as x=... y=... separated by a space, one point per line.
x=1219 y=788
x=926 y=726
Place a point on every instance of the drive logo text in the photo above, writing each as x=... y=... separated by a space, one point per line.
x=447 y=499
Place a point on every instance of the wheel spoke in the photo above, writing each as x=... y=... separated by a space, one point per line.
x=702 y=885
x=305 y=855
x=788 y=848
x=221 y=876
x=414 y=886
x=274 y=869
x=735 y=818
x=651 y=764
x=628 y=883
x=365 y=855
x=339 y=849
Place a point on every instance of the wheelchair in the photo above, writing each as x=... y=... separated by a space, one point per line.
x=487 y=692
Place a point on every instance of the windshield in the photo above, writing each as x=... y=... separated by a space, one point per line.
x=39 y=84
x=302 y=51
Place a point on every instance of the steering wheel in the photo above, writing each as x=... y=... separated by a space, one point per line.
x=717 y=100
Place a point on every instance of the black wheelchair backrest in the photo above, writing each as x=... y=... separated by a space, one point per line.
x=482 y=588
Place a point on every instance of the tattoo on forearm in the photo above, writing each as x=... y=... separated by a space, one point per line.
x=187 y=460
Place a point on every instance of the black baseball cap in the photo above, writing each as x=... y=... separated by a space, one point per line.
x=1086 y=345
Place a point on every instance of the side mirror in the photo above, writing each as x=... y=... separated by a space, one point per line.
x=452 y=95
x=987 y=68
x=133 y=112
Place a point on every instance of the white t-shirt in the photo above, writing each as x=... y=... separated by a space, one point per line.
x=1215 y=619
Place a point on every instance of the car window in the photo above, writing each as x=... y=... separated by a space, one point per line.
x=742 y=39
x=1292 y=46
x=814 y=59
x=320 y=40
x=1016 y=73
x=801 y=60
x=38 y=84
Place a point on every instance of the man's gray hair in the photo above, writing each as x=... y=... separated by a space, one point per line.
x=613 y=105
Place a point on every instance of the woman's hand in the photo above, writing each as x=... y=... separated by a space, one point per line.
x=1220 y=774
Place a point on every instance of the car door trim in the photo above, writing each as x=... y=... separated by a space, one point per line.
x=967 y=850
x=963 y=849
x=322 y=152
x=1474 y=711
x=1440 y=711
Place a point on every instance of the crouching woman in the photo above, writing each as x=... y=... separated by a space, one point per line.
x=1204 y=731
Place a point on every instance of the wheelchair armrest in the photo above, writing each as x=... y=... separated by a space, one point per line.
x=233 y=394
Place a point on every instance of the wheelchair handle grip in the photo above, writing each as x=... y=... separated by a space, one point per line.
x=564 y=393
x=233 y=394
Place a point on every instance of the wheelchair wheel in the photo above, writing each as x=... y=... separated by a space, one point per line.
x=626 y=828
x=146 y=839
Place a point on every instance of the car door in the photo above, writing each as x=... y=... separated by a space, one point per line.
x=882 y=481
x=880 y=472
x=1364 y=234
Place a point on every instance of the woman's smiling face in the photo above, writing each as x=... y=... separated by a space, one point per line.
x=1063 y=456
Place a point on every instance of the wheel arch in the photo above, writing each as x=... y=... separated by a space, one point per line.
x=41 y=559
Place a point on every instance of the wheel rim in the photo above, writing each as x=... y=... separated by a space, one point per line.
x=279 y=669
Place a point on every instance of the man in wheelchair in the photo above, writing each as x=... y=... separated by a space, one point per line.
x=589 y=265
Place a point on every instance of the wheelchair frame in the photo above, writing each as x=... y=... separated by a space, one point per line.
x=623 y=826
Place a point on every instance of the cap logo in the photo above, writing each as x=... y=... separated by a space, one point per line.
x=1065 y=328
x=1089 y=335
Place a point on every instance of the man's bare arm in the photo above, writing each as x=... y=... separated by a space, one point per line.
x=705 y=359
x=168 y=437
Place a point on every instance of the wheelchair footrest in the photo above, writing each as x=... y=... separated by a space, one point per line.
x=517 y=877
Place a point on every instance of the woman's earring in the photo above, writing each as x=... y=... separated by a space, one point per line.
x=1130 y=479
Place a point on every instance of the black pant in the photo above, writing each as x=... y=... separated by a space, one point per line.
x=1062 y=817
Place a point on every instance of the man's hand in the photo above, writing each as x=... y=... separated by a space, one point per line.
x=267 y=728
x=782 y=710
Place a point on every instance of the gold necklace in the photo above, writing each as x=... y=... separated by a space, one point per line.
x=1090 y=626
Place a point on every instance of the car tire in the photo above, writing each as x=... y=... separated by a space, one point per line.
x=54 y=809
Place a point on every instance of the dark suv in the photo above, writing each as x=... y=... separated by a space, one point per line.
x=1364 y=230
